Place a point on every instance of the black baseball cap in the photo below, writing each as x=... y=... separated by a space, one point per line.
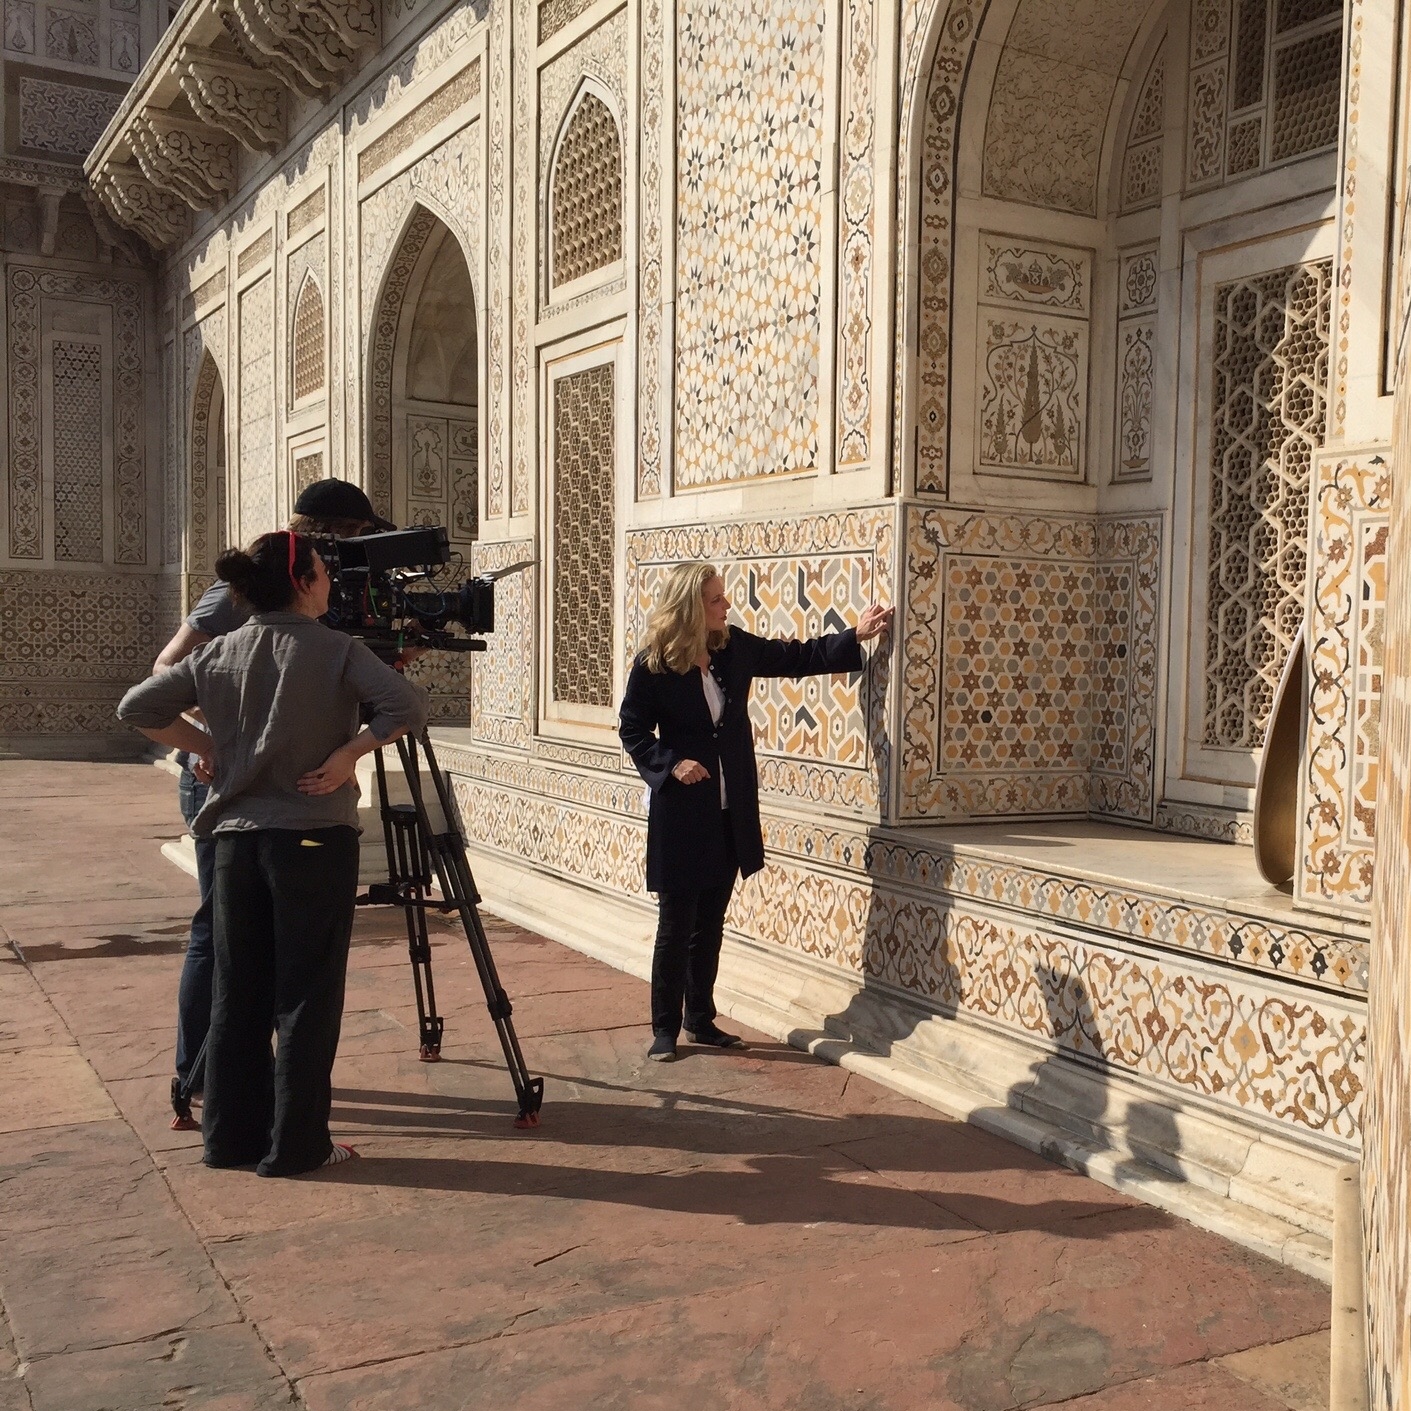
x=338 y=499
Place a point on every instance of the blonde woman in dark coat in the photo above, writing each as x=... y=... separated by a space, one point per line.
x=685 y=721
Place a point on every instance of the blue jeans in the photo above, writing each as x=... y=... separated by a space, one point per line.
x=193 y=1004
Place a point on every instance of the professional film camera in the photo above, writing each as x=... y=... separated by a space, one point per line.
x=391 y=590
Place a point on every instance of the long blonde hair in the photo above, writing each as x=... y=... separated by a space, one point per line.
x=676 y=630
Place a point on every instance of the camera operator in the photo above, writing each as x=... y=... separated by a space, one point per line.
x=329 y=508
x=280 y=696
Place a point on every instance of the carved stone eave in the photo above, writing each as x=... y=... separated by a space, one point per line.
x=185 y=159
x=245 y=103
x=157 y=216
x=112 y=236
x=220 y=76
x=260 y=33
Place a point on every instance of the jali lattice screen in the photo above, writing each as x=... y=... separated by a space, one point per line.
x=587 y=193
x=583 y=536
x=78 y=452
x=1270 y=369
x=308 y=341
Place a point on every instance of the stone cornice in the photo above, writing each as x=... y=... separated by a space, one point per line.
x=127 y=195
x=220 y=77
x=24 y=171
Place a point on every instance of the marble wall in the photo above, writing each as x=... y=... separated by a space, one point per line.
x=1030 y=670
x=1386 y=1161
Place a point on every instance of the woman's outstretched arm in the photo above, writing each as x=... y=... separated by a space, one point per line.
x=818 y=656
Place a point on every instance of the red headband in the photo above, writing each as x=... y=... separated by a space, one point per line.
x=293 y=549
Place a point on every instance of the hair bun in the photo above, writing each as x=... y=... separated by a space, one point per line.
x=237 y=568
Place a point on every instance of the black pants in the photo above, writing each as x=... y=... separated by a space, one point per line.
x=687 y=952
x=283 y=920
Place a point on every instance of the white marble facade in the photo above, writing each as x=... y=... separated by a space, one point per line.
x=1047 y=320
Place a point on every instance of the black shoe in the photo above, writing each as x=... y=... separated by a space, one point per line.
x=712 y=1037
x=663 y=1049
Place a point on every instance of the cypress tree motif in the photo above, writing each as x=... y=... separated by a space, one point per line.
x=1000 y=443
x=1032 y=426
x=1059 y=433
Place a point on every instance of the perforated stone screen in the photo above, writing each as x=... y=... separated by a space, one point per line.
x=1307 y=82
x=584 y=425
x=78 y=452
x=307 y=469
x=1270 y=370
x=1264 y=86
x=308 y=342
x=587 y=193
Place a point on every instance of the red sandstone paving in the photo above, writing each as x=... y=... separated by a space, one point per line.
x=1200 y=1387
x=215 y=1369
x=737 y=1230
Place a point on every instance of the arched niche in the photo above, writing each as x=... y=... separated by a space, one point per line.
x=1098 y=187
x=424 y=385
x=424 y=375
x=207 y=530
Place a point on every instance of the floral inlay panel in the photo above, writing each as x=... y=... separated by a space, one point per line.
x=1347 y=598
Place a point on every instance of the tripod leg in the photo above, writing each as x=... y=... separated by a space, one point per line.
x=416 y=876
x=446 y=849
x=409 y=881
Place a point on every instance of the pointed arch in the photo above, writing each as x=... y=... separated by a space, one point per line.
x=308 y=345
x=206 y=533
x=1048 y=123
x=585 y=205
x=382 y=346
x=428 y=252
x=424 y=379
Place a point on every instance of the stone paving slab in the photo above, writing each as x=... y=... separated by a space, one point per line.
x=738 y=1230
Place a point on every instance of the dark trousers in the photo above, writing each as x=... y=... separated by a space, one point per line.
x=686 y=957
x=193 y=1000
x=283 y=920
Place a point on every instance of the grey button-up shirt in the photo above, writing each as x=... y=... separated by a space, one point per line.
x=279 y=696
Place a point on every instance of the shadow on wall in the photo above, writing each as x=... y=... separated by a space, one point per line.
x=926 y=966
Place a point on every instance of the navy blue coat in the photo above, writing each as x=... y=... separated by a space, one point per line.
x=664 y=719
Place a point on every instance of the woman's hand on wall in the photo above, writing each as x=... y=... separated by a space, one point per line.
x=874 y=621
x=687 y=771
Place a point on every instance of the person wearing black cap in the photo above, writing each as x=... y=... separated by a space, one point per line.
x=331 y=508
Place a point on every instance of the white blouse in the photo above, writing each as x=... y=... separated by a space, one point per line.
x=715 y=702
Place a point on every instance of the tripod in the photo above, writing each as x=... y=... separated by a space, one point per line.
x=415 y=852
x=419 y=853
